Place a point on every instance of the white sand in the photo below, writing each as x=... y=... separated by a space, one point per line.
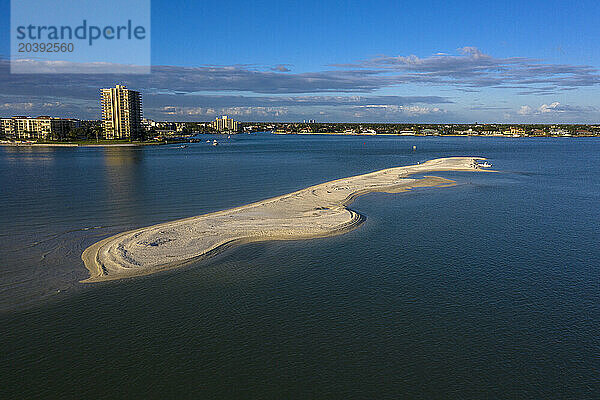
x=316 y=211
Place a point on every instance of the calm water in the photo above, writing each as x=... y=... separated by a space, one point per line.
x=488 y=289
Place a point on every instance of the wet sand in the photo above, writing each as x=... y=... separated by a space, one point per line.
x=316 y=211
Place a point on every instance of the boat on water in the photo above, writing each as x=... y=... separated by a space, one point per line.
x=484 y=165
x=183 y=146
x=208 y=141
x=215 y=143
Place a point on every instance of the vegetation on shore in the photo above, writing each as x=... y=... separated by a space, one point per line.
x=425 y=129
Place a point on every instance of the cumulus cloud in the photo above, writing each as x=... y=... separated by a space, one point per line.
x=38 y=106
x=525 y=110
x=555 y=108
x=198 y=100
x=17 y=106
x=389 y=110
x=261 y=107
x=488 y=108
x=209 y=112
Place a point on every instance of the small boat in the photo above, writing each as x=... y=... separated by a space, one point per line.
x=208 y=141
x=484 y=165
x=183 y=146
x=214 y=143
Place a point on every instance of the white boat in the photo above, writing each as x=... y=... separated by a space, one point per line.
x=214 y=143
x=485 y=165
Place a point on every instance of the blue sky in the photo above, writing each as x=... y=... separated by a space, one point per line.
x=389 y=61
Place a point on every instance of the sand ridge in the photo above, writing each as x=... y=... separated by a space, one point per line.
x=316 y=211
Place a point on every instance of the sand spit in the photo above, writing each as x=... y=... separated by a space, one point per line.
x=316 y=211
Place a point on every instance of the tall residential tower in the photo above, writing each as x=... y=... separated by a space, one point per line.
x=121 y=113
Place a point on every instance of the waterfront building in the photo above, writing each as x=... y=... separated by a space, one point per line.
x=559 y=132
x=121 y=113
x=6 y=126
x=515 y=131
x=148 y=124
x=225 y=124
x=39 y=128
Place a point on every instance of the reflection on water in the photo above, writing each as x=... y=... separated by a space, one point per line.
x=124 y=180
x=25 y=154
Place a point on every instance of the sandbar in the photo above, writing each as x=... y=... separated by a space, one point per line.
x=316 y=211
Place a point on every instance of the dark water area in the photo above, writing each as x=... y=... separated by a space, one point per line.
x=487 y=289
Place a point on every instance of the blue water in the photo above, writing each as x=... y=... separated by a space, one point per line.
x=488 y=289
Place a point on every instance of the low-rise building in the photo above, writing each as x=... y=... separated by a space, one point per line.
x=7 y=126
x=559 y=132
x=39 y=128
x=514 y=131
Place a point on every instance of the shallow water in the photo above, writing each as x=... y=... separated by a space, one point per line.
x=486 y=289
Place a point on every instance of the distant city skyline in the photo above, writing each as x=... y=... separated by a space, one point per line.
x=379 y=61
x=224 y=123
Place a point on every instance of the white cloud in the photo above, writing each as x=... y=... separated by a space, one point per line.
x=247 y=112
x=556 y=112
x=472 y=69
x=525 y=110
x=379 y=109
x=554 y=108
x=548 y=108
x=16 y=106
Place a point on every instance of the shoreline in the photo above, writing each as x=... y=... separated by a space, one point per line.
x=312 y=212
x=423 y=135
x=80 y=144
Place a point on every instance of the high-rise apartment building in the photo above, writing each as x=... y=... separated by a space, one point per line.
x=121 y=113
x=225 y=124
